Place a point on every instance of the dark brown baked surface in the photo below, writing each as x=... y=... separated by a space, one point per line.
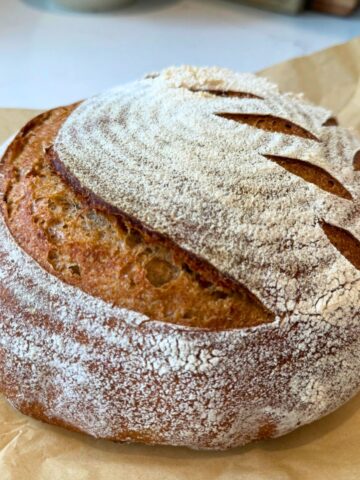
x=72 y=236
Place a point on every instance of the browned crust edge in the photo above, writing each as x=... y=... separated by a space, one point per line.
x=17 y=144
x=200 y=266
x=194 y=262
x=94 y=201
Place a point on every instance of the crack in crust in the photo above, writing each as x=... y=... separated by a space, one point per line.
x=85 y=242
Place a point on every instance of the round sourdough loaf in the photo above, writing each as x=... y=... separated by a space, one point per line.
x=179 y=262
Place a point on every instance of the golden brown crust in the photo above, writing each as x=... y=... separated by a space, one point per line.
x=85 y=242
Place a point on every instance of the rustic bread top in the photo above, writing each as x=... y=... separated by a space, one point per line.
x=259 y=184
x=87 y=363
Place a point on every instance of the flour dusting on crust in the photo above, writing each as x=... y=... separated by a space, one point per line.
x=115 y=374
x=158 y=151
x=105 y=372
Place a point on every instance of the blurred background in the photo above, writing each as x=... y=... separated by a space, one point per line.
x=55 y=52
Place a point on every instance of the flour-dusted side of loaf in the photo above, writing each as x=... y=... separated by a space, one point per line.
x=73 y=360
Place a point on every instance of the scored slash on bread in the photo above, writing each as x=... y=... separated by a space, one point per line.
x=141 y=261
x=269 y=123
x=356 y=161
x=199 y=232
x=313 y=174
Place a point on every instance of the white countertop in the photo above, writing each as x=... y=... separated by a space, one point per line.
x=50 y=57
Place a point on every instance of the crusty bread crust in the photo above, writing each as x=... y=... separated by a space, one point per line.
x=70 y=356
x=71 y=360
x=85 y=242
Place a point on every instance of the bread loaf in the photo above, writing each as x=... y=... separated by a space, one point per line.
x=179 y=262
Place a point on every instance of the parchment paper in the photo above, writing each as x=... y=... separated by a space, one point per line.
x=326 y=449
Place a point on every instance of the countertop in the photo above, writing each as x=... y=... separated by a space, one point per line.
x=51 y=57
